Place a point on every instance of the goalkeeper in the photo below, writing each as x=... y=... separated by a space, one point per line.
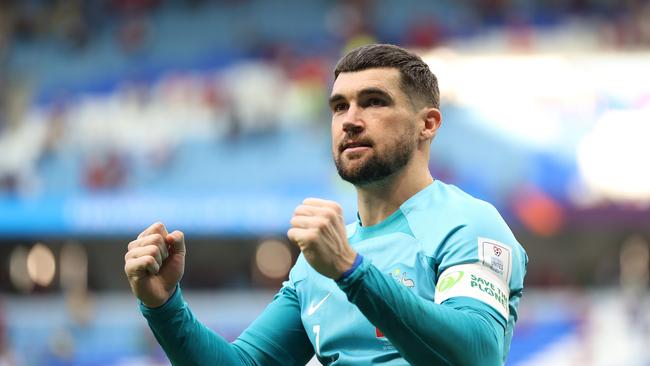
x=426 y=275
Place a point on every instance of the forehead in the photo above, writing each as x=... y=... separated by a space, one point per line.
x=348 y=84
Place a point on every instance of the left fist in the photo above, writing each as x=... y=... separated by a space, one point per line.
x=317 y=228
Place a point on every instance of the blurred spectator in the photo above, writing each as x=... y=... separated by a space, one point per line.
x=6 y=29
x=68 y=23
x=255 y=92
x=520 y=32
x=20 y=142
x=424 y=33
x=107 y=171
x=493 y=12
x=352 y=22
x=133 y=33
x=7 y=356
x=129 y=7
x=61 y=349
x=55 y=129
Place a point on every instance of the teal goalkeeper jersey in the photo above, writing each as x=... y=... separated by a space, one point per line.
x=439 y=284
x=437 y=229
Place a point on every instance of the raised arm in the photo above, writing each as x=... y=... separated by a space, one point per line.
x=276 y=337
x=460 y=331
x=154 y=265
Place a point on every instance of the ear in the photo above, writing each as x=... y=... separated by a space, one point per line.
x=431 y=119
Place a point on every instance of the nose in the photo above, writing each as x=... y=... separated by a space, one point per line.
x=352 y=122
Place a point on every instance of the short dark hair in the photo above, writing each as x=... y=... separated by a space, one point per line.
x=416 y=77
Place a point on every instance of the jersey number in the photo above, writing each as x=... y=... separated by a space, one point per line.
x=316 y=330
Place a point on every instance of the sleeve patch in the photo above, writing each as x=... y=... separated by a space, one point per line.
x=496 y=256
x=476 y=281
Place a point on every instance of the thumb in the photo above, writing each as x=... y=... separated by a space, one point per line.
x=176 y=242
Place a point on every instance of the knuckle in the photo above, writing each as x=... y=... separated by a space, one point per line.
x=338 y=210
x=149 y=260
x=157 y=238
x=323 y=222
x=130 y=267
x=152 y=250
x=133 y=244
x=157 y=254
x=330 y=213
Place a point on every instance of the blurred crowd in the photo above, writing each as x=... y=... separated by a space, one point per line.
x=255 y=80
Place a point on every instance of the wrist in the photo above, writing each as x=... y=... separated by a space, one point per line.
x=153 y=303
x=174 y=302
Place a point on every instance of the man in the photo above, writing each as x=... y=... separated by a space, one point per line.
x=427 y=275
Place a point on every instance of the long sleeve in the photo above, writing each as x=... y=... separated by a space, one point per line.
x=461 y=331
x=276 y=337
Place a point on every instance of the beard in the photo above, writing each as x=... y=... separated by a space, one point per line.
x=379 y=165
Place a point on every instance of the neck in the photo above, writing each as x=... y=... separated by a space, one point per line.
x=378 y=200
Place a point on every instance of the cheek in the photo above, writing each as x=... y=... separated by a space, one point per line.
x=336 y=140
x=397 y=132
x=337 y=132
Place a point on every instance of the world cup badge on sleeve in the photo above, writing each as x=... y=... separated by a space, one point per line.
x=496 y=256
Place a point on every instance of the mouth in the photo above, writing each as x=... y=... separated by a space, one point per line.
x=353 y=146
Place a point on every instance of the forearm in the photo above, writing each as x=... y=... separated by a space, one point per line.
x=424 y=333
x=185 y=340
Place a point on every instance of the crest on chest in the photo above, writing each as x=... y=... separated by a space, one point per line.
x=402 y=277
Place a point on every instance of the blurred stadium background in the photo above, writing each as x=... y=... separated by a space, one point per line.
x=211 y=117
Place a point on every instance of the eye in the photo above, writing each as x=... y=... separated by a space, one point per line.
x=339 y=107
x=376 y=102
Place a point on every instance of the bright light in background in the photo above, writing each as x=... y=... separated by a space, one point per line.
x=635 y=264
x=41 y=265
x=514 y=93
x=508 y=92
x=18 y=270
x=614 y=158
x=74 y=267
x=273 y=259
x=541 y=100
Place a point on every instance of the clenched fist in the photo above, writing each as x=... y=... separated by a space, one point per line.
x=317 y=228
x=154 y=264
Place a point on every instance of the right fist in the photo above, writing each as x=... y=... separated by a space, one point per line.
x=154 y=264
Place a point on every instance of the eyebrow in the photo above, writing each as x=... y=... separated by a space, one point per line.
x=363 y=92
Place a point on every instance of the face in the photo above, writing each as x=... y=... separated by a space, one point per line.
x=373 y=125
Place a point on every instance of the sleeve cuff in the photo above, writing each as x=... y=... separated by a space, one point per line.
x=357 y=261
x=173 y=304
x=347 y=281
